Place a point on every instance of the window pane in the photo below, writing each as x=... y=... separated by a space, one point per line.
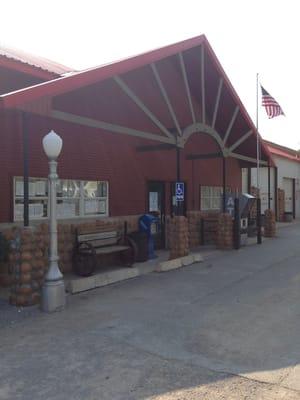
x=67 y=208
x=216 y=203
x=205 y=191
x=92 y=189
x=94 y=206
x=68 y=188
x=205 y=203
x=103 y=189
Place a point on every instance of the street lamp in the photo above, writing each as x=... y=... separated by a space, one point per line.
x=53 y=291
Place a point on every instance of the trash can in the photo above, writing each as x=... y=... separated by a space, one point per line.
x=141 y=240
x=148 y=224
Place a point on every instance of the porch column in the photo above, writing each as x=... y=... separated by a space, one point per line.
x=25 y=168
x=269 y=187
x=224 y=184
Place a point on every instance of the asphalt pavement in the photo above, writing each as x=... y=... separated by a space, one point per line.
x=227 y=328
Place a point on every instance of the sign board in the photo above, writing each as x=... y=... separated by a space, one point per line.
x=179 y=191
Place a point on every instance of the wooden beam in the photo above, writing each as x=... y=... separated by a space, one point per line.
x=202 y=128
x=105 y=126
x=217 y=103
x=234 y=115
x=187 y=87
x=203 y=85
x=245 y=158
x=204 y=156
x=141 y=105
x=241 y=140
x=166 y=98
x=158 y=147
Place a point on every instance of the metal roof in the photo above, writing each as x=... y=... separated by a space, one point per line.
x=283 y=151
x=34 y=61
x=245 y=133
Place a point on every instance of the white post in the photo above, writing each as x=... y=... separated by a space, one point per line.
x=53 y=291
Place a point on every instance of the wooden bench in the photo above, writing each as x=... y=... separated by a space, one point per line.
x=91 y=244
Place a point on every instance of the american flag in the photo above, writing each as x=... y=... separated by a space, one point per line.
x=273 y=109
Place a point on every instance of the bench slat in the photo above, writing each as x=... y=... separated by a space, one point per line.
x=111 y=249
x=87 y=237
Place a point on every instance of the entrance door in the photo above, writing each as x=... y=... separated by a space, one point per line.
x=288 y=194
x=156 y=206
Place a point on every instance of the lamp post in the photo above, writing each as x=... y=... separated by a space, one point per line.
x=53 y=291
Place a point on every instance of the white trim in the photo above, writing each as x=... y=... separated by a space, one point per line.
x=233 y=118
x=166 y=98
x=203 y=85
x=202 y=128
x=93 y=123
x=217 y=103
x=141 y=105
x=245 y=158
x=187 y=87
x=241 y=140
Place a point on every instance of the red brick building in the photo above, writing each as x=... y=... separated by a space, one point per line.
x=136 y=126
x=130 y=130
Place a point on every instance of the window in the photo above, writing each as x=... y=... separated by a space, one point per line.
x=75 y=198
x=211 y=197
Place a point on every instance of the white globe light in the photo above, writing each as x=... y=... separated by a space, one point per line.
x=52 y=144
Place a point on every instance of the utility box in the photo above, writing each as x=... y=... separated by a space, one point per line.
x=246 y=202
x=149 y=224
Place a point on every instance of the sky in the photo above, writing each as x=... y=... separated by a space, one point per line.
x=248 y=37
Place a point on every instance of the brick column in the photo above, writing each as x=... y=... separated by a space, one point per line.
x=270 y=224
x=255 y=192
x=280 y=204
x=28 y=264
x=194 y=225
x=178 y=237
x=225 y=232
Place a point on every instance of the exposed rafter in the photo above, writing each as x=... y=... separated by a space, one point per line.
x=233 y=118
x=203 y=85
x=217 y=103
x=93 y=123
x=166 y=98
x=241 y=140
x=141 y=105
x=187 y=87
x=245 y=158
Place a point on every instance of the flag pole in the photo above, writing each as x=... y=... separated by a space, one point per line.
x=257 y=137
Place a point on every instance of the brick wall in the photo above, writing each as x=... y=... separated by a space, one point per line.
x=27 y=260
x=280 y=204
x=225 y=232
x=178 y=237
x=254 y=191
x=270 y=224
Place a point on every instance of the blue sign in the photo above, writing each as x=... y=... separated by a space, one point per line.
x=179 y=191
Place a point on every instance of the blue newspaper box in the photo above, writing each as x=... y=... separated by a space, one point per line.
x=148 y=223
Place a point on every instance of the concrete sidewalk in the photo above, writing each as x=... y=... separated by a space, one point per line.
x=227 y=328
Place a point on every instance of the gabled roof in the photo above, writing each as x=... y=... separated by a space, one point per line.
x=238 y=130
x=283 y=151
x=31 y=64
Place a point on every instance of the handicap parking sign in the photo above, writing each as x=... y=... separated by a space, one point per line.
x=179 y=191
